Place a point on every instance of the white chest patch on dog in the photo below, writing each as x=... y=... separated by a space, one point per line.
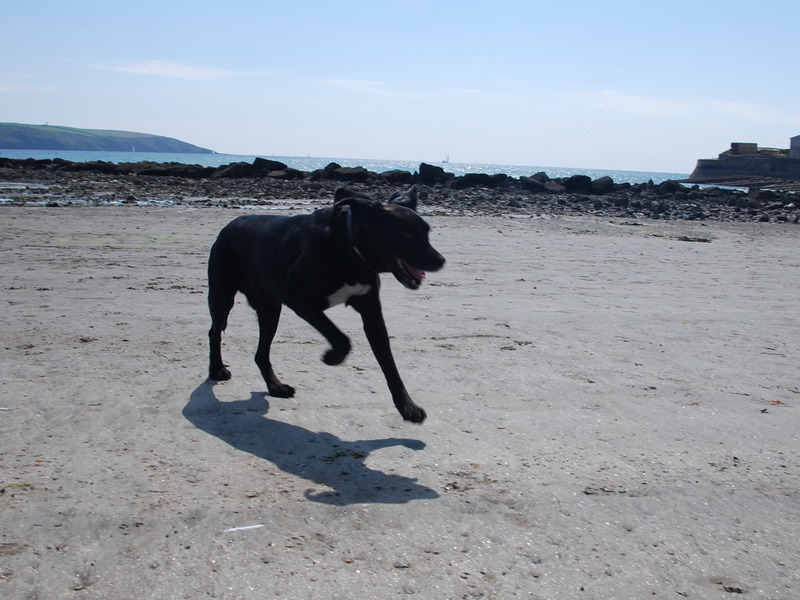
x=344 y=293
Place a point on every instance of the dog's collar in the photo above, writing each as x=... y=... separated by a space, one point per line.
x=348 y=224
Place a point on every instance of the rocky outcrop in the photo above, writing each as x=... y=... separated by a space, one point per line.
x=433 y=175
x=265 y=181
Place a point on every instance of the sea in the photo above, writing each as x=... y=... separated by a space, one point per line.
x=311 y=163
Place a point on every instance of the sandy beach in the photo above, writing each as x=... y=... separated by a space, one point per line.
x=613 y=413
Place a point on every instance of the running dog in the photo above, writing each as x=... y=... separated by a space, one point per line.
x=312 y=262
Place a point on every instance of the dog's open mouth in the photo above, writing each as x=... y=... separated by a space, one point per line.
x=407 y=274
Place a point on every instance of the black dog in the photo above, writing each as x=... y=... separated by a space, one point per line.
x=315 y=261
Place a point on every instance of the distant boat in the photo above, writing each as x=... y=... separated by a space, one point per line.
x=446 y=159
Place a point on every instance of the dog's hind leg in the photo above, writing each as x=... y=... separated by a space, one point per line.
x=221 y=296
x=268 y=317
x=219 y=321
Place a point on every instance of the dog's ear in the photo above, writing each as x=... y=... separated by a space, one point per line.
x=346 y=203
x=345 y=194
x=407 y=198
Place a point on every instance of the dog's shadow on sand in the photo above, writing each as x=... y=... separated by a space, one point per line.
x=319 y=457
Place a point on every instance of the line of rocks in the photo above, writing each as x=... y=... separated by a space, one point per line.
x=267 y=182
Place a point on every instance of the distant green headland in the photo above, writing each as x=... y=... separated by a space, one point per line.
x=18 y=136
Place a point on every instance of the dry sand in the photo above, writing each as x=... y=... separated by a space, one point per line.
x=613 y=412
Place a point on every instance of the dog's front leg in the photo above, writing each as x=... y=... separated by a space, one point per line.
x=369 y=307
x=340 y=343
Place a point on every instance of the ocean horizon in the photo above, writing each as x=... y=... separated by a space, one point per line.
x=312 y=163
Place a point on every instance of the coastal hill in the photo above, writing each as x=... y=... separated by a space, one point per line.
x=18 y=136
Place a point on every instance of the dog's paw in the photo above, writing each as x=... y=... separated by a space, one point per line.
x=335 y=357
x=413 y=413
x=280 y=390
x=220 y=374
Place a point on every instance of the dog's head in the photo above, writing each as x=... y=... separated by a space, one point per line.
x=389 y=237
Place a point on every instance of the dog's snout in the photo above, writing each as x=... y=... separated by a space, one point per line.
x=437 y=261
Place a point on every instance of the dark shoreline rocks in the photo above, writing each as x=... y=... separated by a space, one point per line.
x=267 y=182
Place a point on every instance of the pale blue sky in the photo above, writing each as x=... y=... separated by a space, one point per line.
x=609 y=85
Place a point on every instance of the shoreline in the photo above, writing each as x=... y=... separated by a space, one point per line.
x=273 y=186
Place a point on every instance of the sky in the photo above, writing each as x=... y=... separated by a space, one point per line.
x=643 y=86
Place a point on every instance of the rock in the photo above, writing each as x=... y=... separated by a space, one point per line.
x=499 y=180
x=531 y=184
x=621 y=202
x=602 y=185
x=235 y=170
x=95 y=166
x=469 y=180
x=323 y=173
x=767 y=195
x=554 y=187
x=660 y=208
x=577 y=183
x=173 y=170
x=287 y=174
x=431 y=174
x=262 y=166
x=397 y=177
x=351 y=174
x=97 y=183
x=669 y=187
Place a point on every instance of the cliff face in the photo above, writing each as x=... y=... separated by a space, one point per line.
x=17 y=136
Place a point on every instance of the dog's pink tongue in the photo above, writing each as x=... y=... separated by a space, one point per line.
x=414 y=272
